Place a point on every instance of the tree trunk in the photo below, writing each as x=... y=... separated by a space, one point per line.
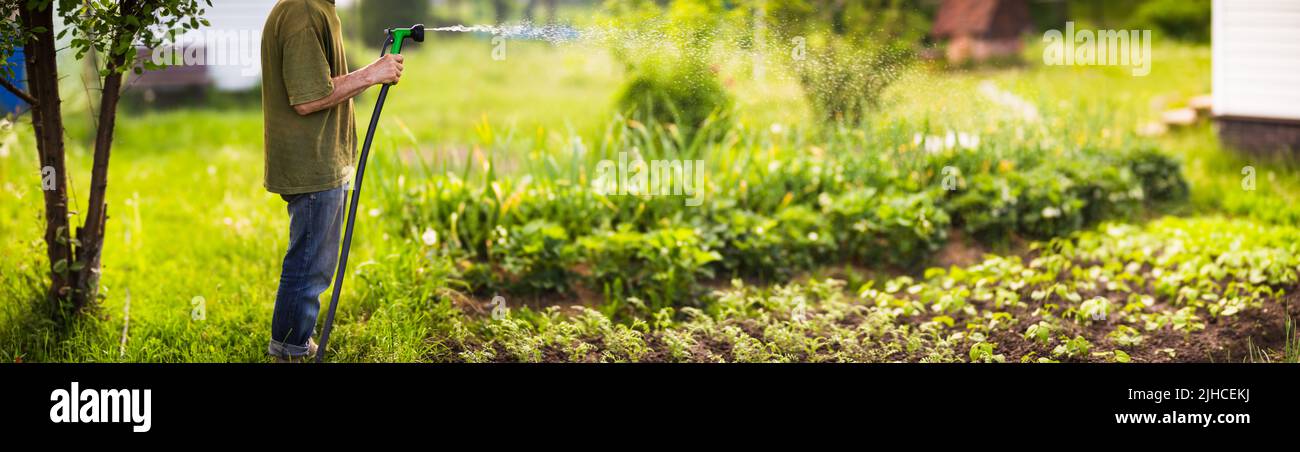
x=91 y=233
x=47 y=121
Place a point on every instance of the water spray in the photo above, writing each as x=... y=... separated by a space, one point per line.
x=553 y=34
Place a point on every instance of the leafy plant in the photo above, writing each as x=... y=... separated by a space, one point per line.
x=536 y=257
x=1125 y=336
x=1161 y=175
x=983 y=352
x=1047 y=207
x=755 y=245
x=986 y=208
x=1040 y=332
x=895 y=228
x=663 y=265
x=1075 y=348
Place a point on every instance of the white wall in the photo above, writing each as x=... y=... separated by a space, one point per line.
x=1257 y=58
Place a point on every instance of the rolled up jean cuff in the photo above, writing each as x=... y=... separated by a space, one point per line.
x=283 y=350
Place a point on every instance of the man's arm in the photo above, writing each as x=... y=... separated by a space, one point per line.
x=385 y=70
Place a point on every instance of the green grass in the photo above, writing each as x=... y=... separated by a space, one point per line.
x=1290 y=352
x=189 y=217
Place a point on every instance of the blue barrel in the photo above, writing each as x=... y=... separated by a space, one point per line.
x=11 y=105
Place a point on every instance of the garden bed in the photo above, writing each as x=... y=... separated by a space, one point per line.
x=1177 y=290
x=782 y=213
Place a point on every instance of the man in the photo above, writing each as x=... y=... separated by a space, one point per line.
x=310 y=145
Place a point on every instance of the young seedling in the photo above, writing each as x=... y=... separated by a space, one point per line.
x=982 y=352
x=1072 y=348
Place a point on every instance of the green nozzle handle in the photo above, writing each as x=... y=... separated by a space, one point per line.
x=398 y=36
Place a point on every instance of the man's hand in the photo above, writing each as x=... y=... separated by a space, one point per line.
x=385 y=70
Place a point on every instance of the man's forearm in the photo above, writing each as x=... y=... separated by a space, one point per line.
x=346 y=87
x=387 y=69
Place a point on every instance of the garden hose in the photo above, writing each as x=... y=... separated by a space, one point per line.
x=393 y=43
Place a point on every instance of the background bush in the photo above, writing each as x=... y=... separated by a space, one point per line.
x=684 y=92
x=376 y=15
x=847 y=53
x=667 y=54
x=1188 y=20
x=844 y=82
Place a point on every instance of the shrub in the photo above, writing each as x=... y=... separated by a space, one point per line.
x=847 y=53
x=1048 y=208
x=771 y=247
x=671 y=80
x=986 y=209
x=1187 y=20
x=684 y=92
x=844 y=83
x=1161 y=175
x=535 y=257
x=376 y=15
x=661 y=267
x=900 y=229
x=1106 y=190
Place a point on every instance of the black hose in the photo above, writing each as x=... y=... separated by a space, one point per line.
x=352 y=216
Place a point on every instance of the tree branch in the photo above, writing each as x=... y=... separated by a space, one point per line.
x=18 y=92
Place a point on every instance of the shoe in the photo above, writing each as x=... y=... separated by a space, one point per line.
x=311 y=354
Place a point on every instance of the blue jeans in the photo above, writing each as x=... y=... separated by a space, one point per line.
x=314 y=223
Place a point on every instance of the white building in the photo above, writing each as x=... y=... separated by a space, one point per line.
x=236 y=30
x=1257 y=73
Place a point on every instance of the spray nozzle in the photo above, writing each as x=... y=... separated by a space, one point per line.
x=398 y=36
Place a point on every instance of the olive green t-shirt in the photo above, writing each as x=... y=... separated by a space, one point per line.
x=302 y=50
